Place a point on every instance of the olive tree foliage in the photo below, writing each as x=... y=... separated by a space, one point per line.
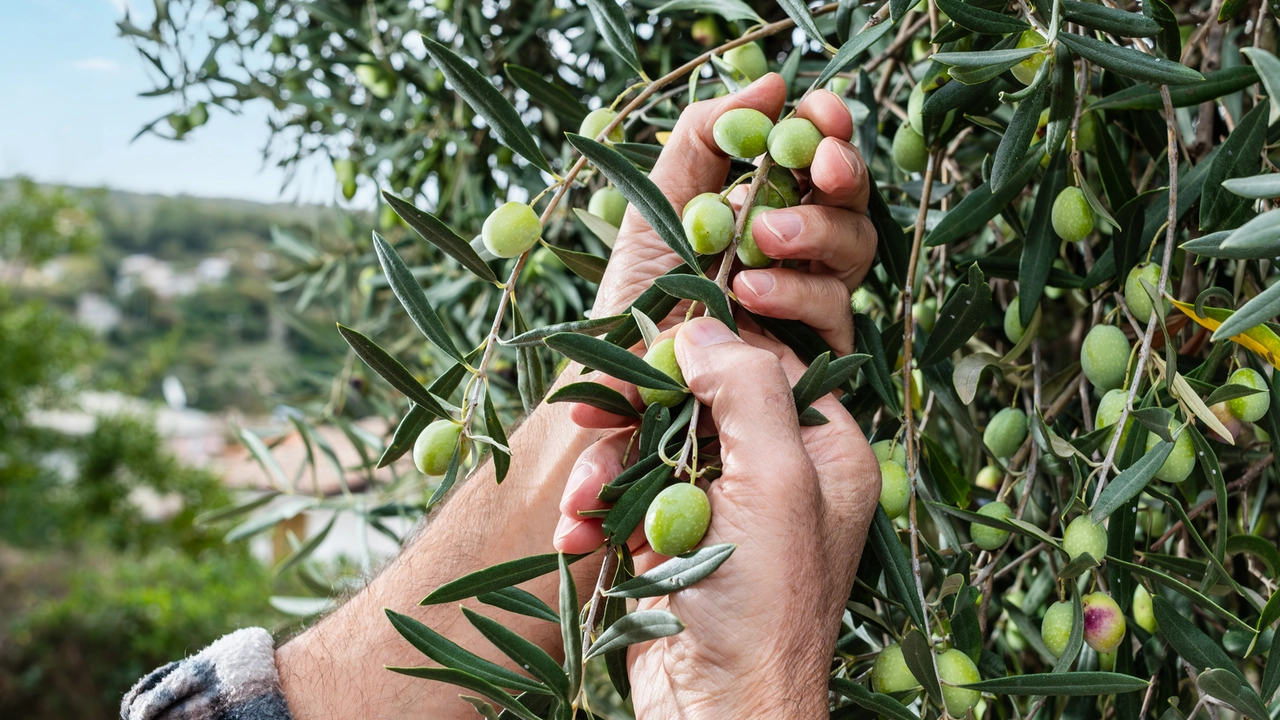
x=1076 y=235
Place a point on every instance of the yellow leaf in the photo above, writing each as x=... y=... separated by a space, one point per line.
x=1260 y=339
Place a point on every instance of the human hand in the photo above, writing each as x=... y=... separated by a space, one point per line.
x=830 y=231
x=797 y=501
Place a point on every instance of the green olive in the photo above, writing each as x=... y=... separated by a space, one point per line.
x=1087 y=132
x=1082 y=536
x=956 y=668
x=749 y=60
x=989 y=477
x=890 y=674
x=199 y=115
x=511 y=229
x=1250 y=408
x=596 y=121
x=1072 y=217
x=433 y=449
x=793 y=143
x=663 y=357
x=608 y=204
x=677 y=519
x=1005 y=432
x=909 y=151
x=1109 y=409
x=1143 y=614
x=1026 y=70
x=915 y=102
x=781 y=190
x=985 y=536
x=748 y=251
x=1013 y=327
x=708 y=223
x=890 y=451
x=1104 y=624
x=1136 y=296
x=1104 y=357
x=742 y=132
x=1055 y=629
x=925 y=313
x=1182 y=459
x=895 y=490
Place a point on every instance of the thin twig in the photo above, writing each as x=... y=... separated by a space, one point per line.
x=1240 y=483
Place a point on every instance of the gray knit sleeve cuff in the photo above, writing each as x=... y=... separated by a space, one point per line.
x=235 y=677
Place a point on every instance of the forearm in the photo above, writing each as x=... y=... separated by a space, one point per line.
x=335 y=669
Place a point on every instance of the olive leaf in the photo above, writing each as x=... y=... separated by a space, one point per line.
x=1084 y=683
x=612 y=23
x=451 y=655
x=610 y=359
x=674 y=574
x=496 y=577
x=437 y=233
x=547 y=93
x=1130 y=63
x=959 y=318
x=636 y=627
x=411 y=297
x=472 y=683
x=597 y=396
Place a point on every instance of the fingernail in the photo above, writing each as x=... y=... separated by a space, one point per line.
x=761 y=283
x=564 y=527
x=851 y=158
x=708 y=331
x=581 y=472
x=786 y=225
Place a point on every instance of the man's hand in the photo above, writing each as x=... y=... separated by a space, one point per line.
x=797 y=501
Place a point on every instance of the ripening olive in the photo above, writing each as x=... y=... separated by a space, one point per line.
x=985 y=536
x=989 y=477
x=1005 y=432
x=956 y=668
x=895 y=490
x=793 y=143
x=909 y=151
x=608 y=204
x=1104 y=356
x=925 y=313
x=890 y=451
x=1109 y=409
x=1082 y=536
x=1055 y=629
x=1182 y=459
x=433 y=449
x=511 y=229
x=742 y=132
x=1143 y=614
x=1025 y=71
x=749 y=60
x=596 y=121
x=781 y=190
x=1071 y=216
x=1013 y=327
x=1250 y=408
x=706 y=32
x=1136 y=296
x=890 y=674
x=708 y=223
x=662 y=355
x=677 y=519
x=748 y=251
x=1104 y=624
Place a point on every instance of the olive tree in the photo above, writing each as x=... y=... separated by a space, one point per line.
x=1065 y=348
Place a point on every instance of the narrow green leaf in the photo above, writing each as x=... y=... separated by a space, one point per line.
x=853 y=48
x=1129 y=483
x=597 y=396
x=1260 y=309
x=495 y=577
x=1041 y=246
x=892 y=247
x=606 y=233
x=521 y=602
x=529 y=374
x=1075 y=640
x=472 y=683
x=437 y=233
x=570 y=626
x=236 y=510
x=524 y=653
x=303 y=551
x=809 y=387
x=1191 y=643
x=636 y=627
x=867 y=337
x=1144 y=97
x=692 y=287
x=1110 y=20
x=1062 y=102
x=488 y=103
x=675 y=574
x=1130 y=63
x=585 y=265
x=918 y=655
x=1241 y=155
x=1061 y=684
x=612 y=360
x=876 y=703
x=640 y=192
x=548 y=94
x=1169 y=39
x=407 y=432
x=975 y=59
x=411 y=296
x=1237 y=693
x=897 y=565
x=493 y=425
x=798 y=11
x=628 y=512
x=1257 y=187
x=728 y=9
x=593 y=327
x=450 y=476
x=952 y=486
x=963 y=314
x=612 y=23
x=980 y=205
x=841 y=370
x=451 y=655
x=980 y=20
x=1262 y=549
x=1017 y=137
x=391 y=370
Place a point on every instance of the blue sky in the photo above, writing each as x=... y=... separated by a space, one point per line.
x=70 y=106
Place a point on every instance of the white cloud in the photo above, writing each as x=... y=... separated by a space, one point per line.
x=96 y=65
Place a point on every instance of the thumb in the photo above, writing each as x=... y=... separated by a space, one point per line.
x=750 y=399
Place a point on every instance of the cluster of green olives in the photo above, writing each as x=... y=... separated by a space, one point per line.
x=891 y=676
